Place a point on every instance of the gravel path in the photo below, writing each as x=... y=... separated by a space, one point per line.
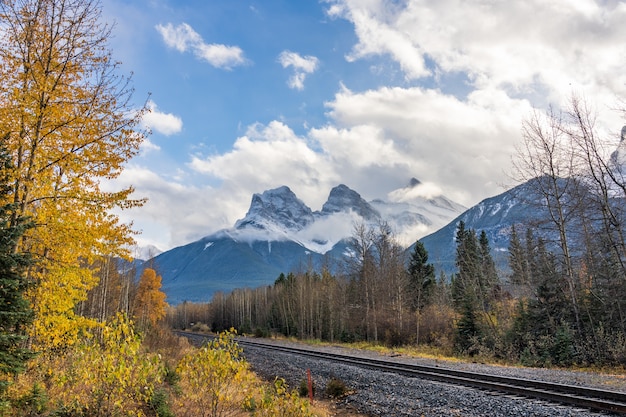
x=383 y=394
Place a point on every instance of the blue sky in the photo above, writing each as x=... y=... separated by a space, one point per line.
x=251 y=95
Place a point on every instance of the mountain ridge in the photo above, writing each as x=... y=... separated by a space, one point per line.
x=280 y=233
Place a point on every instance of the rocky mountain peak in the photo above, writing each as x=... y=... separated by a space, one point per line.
x=414 y=182
x=278 y=207
x=343 y=199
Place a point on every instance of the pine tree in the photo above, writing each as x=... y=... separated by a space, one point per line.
x=465 y=286
x=421 y=276
x=15 y=311
x=465 y=289
x=488 y=278
x=518 y=261
x=421 y=280
x=474 y=288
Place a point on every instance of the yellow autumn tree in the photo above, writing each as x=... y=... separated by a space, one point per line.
x=150 y=305
x=71 y=125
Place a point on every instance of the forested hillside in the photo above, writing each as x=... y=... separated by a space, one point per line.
x=563 y=302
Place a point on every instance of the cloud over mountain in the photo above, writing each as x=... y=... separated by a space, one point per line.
x=394 y=89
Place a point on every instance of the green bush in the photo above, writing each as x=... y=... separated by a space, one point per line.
x=336 y=388
x=159 y=405
x=303 y=388
x=34 y=402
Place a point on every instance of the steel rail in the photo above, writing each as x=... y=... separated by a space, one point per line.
x=572 y=395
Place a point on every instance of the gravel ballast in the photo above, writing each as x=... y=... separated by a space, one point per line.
x=376 y=393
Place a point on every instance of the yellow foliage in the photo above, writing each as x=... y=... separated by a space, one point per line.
x=278 y=401
x=69 y=126
x=150 y=305
x=106 y=374
x=109 y=374
x=216 y=381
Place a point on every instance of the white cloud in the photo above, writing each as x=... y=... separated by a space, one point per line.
x=269 y=156
x=183 y=38
x=463 y=146
x=377 y=35
x=148 y=146
x=424 y=190
x=526 y=48
x=164 y=123
x=176 y=212
x=302 y=65
x=514 y=56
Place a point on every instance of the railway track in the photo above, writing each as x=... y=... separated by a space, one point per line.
x=572 y=395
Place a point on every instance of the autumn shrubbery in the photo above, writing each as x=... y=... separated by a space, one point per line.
x=114 y=371
x=107 y=373
x=216 y=381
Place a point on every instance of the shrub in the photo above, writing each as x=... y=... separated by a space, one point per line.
x=336 y=388
x=279 y=401
x=214 y=379
x=262 y=332
x=33 y=402
x=105 y=376
x=159 y=405
x=200 y=328
x=303 y=388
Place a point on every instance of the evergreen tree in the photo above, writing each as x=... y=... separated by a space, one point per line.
x=474 y=289
x=518 y=261
x=421 y=282
x=15 y=311
x=488 y=277
x=465 y=286
x=421 y=276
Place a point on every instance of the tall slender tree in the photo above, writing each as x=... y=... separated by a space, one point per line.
x=474 y=288
x=548 y=160
x=421 y=282
x=15 y=311
x=149 y=306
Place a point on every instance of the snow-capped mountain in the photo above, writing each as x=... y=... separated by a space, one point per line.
x=521 y=206
x=280 y=233
x=416 y=210
x=343 y=199
x=494 y=215
x=278 y=209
